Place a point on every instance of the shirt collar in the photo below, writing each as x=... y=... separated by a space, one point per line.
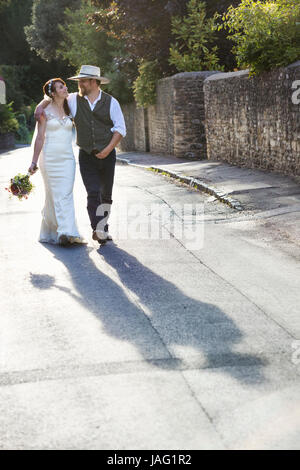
x=96 y=100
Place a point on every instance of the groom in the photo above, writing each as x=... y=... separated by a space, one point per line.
x=100 y=127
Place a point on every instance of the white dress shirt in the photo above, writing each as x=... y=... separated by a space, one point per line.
x=116 y=114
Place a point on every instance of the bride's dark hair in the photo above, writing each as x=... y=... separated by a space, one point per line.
x=49 y=88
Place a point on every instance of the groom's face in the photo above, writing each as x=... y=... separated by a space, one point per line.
x=84 y=86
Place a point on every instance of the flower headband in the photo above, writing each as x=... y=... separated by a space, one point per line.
x=50 y=86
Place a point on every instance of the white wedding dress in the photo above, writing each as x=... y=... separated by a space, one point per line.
x=57 y=164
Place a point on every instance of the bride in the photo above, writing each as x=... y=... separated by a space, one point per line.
x=53 y=143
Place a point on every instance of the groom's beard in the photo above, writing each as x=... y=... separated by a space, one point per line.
x=82 y=92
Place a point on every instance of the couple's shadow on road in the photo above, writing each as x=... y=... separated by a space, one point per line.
x=151 y=313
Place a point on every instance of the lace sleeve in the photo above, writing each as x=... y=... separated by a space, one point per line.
x=49 y=112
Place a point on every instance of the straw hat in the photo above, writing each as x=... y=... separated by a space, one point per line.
x=90 y=71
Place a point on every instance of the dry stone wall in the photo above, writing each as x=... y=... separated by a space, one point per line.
x=254 y=122
x=175 y=124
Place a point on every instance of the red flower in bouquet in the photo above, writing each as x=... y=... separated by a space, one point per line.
x=14 y=189
x=20 y=186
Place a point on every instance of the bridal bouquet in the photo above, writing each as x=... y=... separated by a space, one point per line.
x=20 y=186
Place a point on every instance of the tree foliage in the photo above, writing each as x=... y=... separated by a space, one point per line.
x=4 y=4
x=95 y=48
x=14 y=49
x=24 y=72
x=80 y=40
x=266 y=33
x=8 y=121
x=44 y=34
x=144 y=27
x=147 y=29
x=145 y=84
x=195 y=36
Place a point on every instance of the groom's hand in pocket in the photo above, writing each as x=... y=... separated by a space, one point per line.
x=103 y=154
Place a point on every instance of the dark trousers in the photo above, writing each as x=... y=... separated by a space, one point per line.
x=98 y=179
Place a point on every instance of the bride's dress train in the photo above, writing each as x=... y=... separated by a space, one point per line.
x=57 y=164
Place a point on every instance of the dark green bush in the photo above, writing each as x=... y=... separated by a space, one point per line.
x=22 y=134
x=28 y=111
x=15 y=77
x=145 y=85
x=8 y=121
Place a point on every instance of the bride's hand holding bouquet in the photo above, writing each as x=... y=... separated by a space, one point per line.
x=20 y=185
x=33 y=168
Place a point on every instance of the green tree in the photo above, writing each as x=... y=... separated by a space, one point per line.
x=144 y=27
x=14 y=49
x=266 y=33
x=44 y=34
x=195 y=36
x=4 y=4
x=24 y=72
x=96 y=47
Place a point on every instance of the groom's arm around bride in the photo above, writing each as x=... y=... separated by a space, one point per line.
x=90 y=90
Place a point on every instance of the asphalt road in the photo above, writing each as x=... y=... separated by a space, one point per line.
x=184 y=333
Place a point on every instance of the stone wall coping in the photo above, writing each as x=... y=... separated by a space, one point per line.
x=294 y=65
x=190 y=75
x=222 y=76
x=245 y=73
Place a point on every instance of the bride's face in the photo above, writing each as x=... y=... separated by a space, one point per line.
x=61 y=91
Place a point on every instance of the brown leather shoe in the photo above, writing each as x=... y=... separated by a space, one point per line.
x=101 y=241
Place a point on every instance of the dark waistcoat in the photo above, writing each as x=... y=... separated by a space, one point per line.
x=93 y=127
